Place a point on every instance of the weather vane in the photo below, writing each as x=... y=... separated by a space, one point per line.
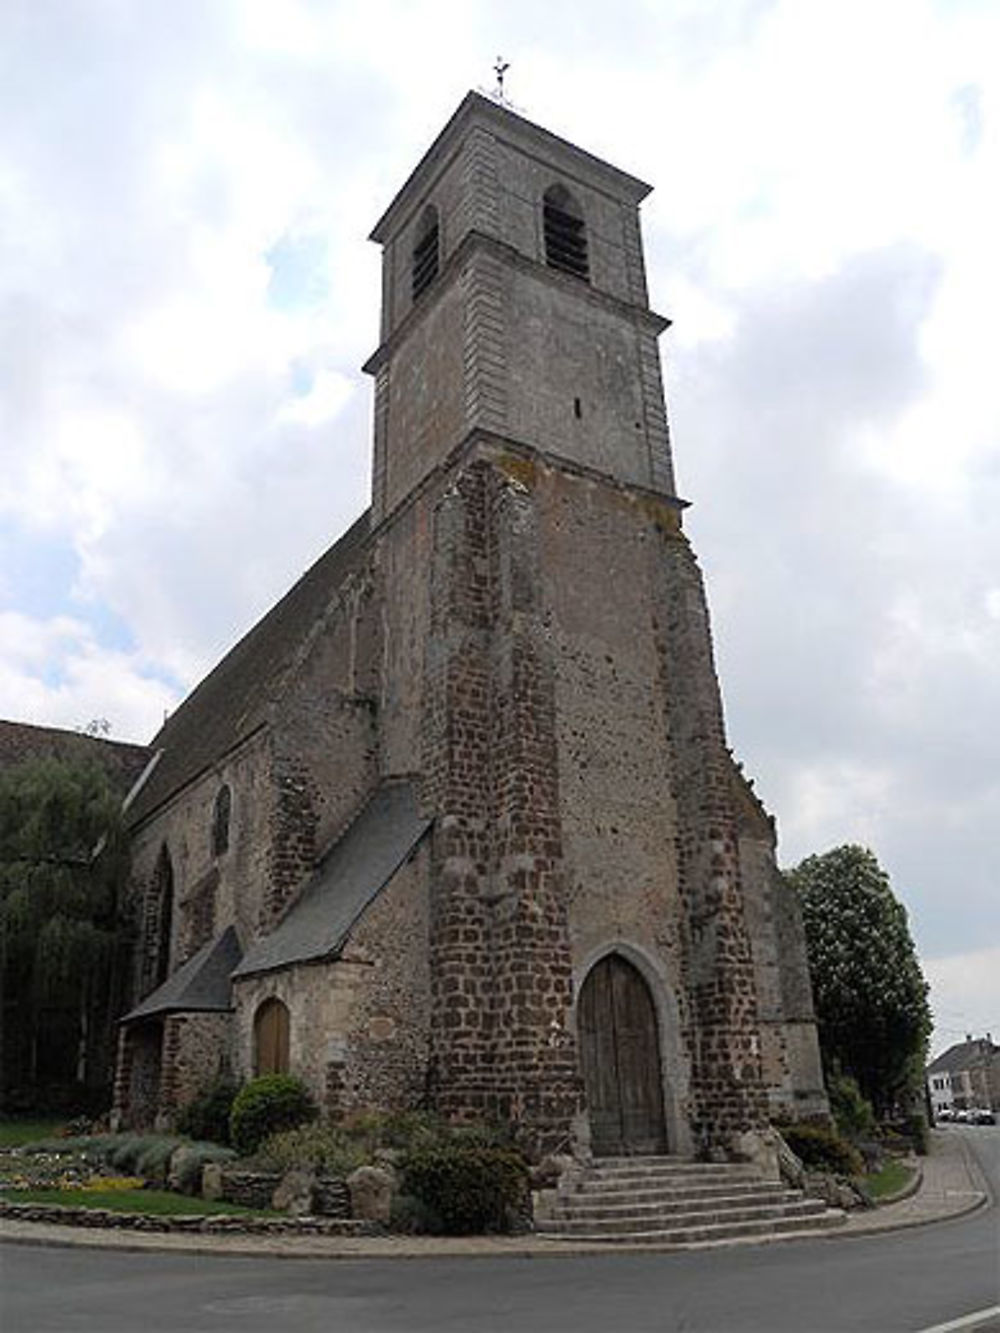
x=500 y=69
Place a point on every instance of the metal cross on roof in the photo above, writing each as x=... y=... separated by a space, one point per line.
x=500 y=69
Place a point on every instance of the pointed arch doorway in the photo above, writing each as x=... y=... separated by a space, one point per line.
x=620 y=1055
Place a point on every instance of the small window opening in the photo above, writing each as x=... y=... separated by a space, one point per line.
x=565 y=233
x=577 y=409
x=426 y=252
x=159 y=913
x=220 y=821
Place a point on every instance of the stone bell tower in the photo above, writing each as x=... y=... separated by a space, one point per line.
x=571 y=741
x=514 y=301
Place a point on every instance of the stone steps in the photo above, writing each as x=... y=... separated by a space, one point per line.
x=718 y=1206
x=706 y=1233
x=668 y=1201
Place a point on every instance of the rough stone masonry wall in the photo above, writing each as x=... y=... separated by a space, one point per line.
x=455 y=740
x=500 y=966
x=727 y=1082
x=534 y=1048
x=616 y=783
x=197 y=1049
x=323 y=744
x=235 y=879
x=358 y=1025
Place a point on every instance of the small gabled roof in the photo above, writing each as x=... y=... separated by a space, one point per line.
x=350 y=876
x=231 y=702
x=201 y=985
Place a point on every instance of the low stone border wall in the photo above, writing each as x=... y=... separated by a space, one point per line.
x=255 y=1189
x=66 y=1215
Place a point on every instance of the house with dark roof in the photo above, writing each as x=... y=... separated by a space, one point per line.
x=965 y=1076
x=456 y=824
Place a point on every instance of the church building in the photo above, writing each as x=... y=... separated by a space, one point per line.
x=456 y=824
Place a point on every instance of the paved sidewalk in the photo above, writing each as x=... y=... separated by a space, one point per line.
x=950 y=1187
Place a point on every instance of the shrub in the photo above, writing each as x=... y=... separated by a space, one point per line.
x=187 y=1162
x=410 y=1217
x=915 y=1129
x=823 y=1149
x=206 y=1118
x=467 y=1186
x=321 y=1147
x=402 y=1130
x=265 y=1106
x=406 y=1131
x=153 y=1161
x=851 y=1110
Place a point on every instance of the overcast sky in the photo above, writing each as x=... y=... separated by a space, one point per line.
x=186 y=294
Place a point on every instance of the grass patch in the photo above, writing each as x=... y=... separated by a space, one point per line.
x=889 y=1180
x=156 y=1203
x=16 y=1132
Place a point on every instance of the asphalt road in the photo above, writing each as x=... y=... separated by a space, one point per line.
x=891 y=1283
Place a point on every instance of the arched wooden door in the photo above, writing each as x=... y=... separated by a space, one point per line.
x=620 y=1054
x=271 y=1038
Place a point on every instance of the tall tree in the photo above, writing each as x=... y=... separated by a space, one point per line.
x=871 y=998
x=62 y=868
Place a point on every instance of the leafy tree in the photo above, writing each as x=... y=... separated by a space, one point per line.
x=871 y=998
x=62 y=868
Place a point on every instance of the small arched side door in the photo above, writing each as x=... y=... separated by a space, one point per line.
x=270 y=1038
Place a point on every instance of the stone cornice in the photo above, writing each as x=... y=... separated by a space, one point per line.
x=474 y=241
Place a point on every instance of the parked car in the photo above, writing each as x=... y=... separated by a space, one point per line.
x=983 y=1116
x=944 y=1115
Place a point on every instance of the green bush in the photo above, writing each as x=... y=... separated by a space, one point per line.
x=265 y=1106
x=406 y=1131
x=410 y=1217
x=823 y=1149
x=851 y=1110
x=321 y=1147
x=206 y=1118
x=915 y=1129
x=186 y=1165
x=467 y=1186
x=153 y=1161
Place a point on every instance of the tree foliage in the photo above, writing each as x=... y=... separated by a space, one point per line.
x=871 y=998
x=62 y=866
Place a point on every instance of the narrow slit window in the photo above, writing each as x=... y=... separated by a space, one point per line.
x=220 y=821
x=426 y=252
x=565 y=233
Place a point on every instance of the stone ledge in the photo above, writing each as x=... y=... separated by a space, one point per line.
x=217 y=1224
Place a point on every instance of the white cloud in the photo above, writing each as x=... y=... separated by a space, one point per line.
x=54 y=673
x=965 y=996
x=328 y=394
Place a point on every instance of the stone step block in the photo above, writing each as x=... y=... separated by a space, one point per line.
x=617 y=1224
x=704 y=1233
x=666 y=1206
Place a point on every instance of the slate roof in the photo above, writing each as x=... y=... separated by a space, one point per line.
x=349 y=877
x=231 y=702
x=123 y=763
x=966 y=1055
x=201 y=985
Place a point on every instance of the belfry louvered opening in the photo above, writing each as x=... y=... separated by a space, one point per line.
x=565 y=233
x=425 y=252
